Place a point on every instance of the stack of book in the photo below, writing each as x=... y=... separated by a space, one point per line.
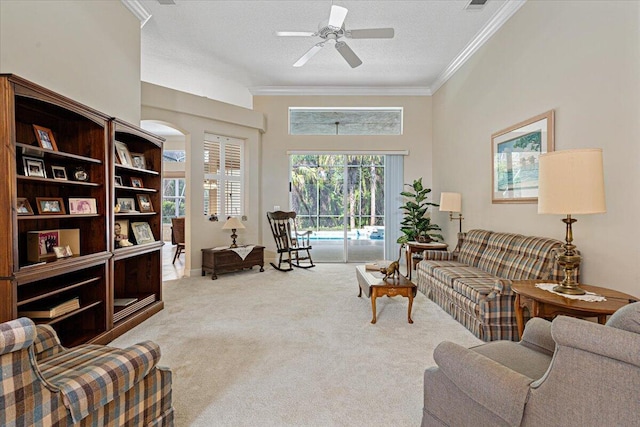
x=54 y=310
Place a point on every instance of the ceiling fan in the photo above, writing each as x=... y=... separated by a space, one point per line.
x=333 y=31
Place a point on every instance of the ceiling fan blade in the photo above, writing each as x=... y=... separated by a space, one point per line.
x=307 y=56
x=295 y=33
x=371 y=33
x=336 y=18
x=348 y=54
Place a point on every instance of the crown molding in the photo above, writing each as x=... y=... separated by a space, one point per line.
x=138 y=10
x=498 y=20
x=339 y=91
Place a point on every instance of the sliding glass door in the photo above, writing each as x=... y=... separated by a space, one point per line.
x=341 y=199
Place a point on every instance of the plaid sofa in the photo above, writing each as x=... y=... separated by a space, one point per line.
x=473 y=284
x=45 y=384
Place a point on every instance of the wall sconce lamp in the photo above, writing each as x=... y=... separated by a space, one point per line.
x=233 y=224
x=452 y=202
x=571 y=182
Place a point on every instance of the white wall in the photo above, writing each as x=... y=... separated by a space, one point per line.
x=581 y=59
x=193 y=116
x=416 y=138
x=88 y=51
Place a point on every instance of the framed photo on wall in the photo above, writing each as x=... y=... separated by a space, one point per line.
x=515 y=155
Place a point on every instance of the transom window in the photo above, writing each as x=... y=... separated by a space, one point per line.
x=345 y=121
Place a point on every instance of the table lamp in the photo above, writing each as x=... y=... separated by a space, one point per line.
x=233 y=224
x=452 y=202
x=571 y=182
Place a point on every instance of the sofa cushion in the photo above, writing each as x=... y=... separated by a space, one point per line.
x=429 y=265
x=474 y=288
x=532 y=260
x=520 y=358
x=448 y=275
x=74 y=373
x=501 y=250
x=473 y=244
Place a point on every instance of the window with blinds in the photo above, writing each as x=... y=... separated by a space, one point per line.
x=223 y=176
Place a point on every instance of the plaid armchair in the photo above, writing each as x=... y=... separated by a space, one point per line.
x=45 y=384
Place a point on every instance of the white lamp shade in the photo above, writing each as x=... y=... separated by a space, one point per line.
x=232 y=223
x=451 y=202
x=571 y=182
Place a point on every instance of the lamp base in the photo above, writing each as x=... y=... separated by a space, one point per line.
x=569 y=290
x=233 y=236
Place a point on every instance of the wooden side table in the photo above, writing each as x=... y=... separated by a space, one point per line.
x=548 y=305
x=415 y=247
x=222 y=260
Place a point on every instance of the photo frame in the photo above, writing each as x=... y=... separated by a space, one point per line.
x=34 y=167
x=122 y=154
x=136 y=182
x=118 y=180
x=138 y=161
x=50 y=206
x=82 y=206
x=45 y=138
x=142 y=232
x=59 y=172
x=127 y=204
x=144 y=202
x=121 y=232
x=62 y=251
x=515 y=153
x=23 y=207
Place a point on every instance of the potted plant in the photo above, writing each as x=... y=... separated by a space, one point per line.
x=415 y=225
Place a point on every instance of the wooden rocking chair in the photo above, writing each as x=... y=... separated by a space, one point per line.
x=289 y=241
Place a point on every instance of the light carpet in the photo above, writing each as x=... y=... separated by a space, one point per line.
x=294 y=349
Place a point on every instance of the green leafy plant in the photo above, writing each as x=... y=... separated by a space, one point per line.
x=415 y=225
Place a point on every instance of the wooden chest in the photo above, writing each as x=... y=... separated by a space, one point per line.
x=215 y=260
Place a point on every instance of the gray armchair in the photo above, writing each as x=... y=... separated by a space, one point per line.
x=568 y=372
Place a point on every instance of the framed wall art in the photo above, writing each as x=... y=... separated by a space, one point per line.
x=515 y=154
x=45 y=138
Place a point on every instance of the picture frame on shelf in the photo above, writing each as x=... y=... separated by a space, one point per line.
x=122 y=154
x=62 y=251
x=118 y=180
x=59 y=172
x=34 y=167
x=144 y=202
x=127 y=204
x=121 y=229
x=80 y=174
x=45 y=138
x=142 y=232
x=50 y=206
x=515 y=152
x=82 y=206
x=138 y=161
x=23 y=207
x=137 y=182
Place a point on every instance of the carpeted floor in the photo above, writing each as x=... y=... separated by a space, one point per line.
x=294 y=349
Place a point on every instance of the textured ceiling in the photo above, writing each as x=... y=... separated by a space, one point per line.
x=235 y=40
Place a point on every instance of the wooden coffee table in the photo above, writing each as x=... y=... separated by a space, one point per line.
x=375 y=287
x=541 y=303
